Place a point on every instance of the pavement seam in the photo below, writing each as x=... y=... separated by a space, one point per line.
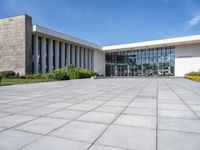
x=116 y=117
x=77 y=117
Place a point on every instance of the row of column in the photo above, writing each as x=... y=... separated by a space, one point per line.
x=49 y=54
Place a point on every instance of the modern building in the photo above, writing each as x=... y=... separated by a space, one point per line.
x=27 y=48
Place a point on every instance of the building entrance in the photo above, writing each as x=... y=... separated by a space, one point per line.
x=146 y=62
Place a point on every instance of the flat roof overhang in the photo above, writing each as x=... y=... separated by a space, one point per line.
x=59 y=35
x=156 y=43
x=193 y=39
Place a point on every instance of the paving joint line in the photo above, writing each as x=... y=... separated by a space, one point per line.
x=183 y=101
x=117 y=116
x=71 y=120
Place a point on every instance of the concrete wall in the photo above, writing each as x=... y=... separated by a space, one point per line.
x=99 y=62
x=187 y=59
x=15 y=44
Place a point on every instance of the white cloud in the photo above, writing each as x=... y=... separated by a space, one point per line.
x=194 y=21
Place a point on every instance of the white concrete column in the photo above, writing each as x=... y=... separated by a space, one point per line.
x=73 y=55
x=68 y=54
x=62 y=54
x=90 y=66
x=82 y=57
x=78 y=56
x=57 y=55
x=36 y=53
x=50 y=63
x=86 y=58
x=43 y=56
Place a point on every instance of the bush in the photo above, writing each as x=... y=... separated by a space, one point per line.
x=193 y=73
x=71 y=72
x=79 y=73
x=7 y=74
x=60 y=74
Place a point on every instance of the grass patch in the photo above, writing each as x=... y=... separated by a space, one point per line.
x=23 y=81
x=193 y=78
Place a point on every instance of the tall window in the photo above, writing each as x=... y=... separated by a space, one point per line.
x=33 y=48
x=60 y=53
x=54 y=53
x=80 y=56
x=75 y=57
x=40 y=54
x=47 y=55
x=92 y=60
x=71 y=54
x=65 y=54
x=88 y=59
x=84 y=58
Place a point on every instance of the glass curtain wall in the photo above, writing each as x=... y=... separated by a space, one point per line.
x=144 y=62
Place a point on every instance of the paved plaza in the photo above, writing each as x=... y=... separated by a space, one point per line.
x=101 y=114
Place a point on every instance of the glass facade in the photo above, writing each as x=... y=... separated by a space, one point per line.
x=143 y=62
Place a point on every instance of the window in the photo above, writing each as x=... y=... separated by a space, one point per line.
x=145 y=62
x=47 y=55
x=60 y=53
x=54 y=53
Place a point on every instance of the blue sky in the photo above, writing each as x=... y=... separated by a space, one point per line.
x=108 y=22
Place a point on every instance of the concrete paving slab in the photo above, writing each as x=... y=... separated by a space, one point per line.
x=109 y=109
x=184 y=125
x=137 y=121
x=59 y=105
x=66 y=114
x=140 y=111
x=168 y=140
x=98 y=117
x=129 y=138
x=53 y=143
x=81 y=131
x=13 y=140
x=42 y=125
x=13 y=120
x=167 y=107
x=101 y=147
x=83 y=107
x=39 y=111
x=16 y=109
x=186 y=114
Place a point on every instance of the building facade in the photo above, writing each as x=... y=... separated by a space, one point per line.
x=27 y=48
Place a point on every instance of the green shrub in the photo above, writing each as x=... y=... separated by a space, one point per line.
x=193 y=73
x=7 y=74
x=71 y=71
x=60 y=74
x=38 y=76
x=79 y=73
x=50 y=75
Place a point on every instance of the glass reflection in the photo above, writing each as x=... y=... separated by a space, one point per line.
x=144 y=62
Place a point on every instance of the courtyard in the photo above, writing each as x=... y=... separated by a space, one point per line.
x=101 y=114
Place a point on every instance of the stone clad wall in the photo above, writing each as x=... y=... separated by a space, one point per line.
x=15 y=44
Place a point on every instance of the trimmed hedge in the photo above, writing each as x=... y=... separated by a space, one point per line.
x=79 y=73
x=194 y=78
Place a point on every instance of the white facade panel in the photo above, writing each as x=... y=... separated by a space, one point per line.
x=187 y=59
x=99 y=62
